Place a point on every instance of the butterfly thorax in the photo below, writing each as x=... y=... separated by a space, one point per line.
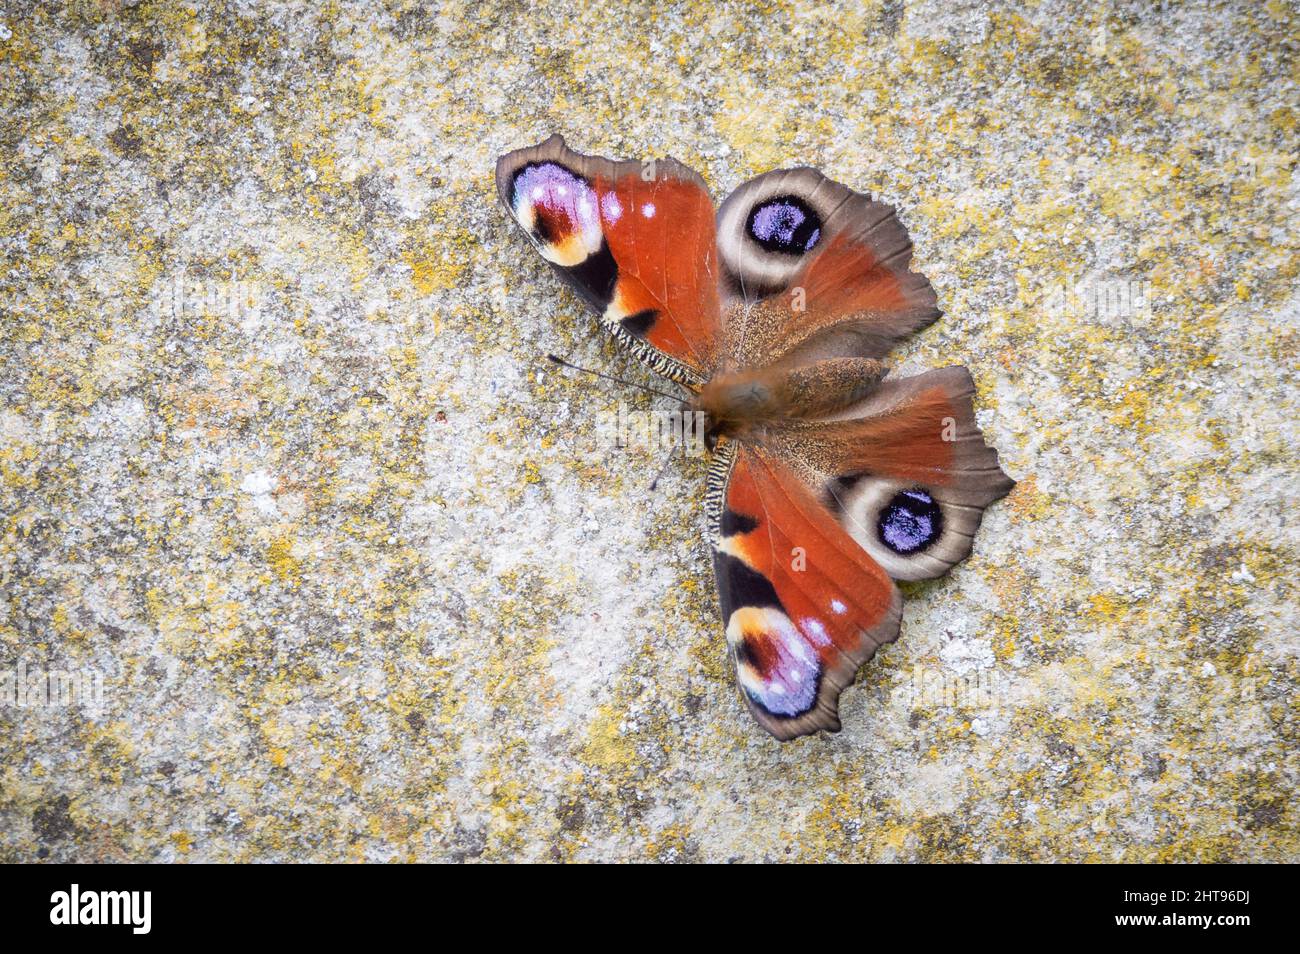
x=737 y=403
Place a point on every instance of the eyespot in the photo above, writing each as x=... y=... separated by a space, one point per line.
x=559 y=210
x=910 y=522
x=784 y=224
x=776 y=665
x=770 y=227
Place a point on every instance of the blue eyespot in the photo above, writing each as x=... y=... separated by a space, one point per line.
x=785 y=224
x=910 y=522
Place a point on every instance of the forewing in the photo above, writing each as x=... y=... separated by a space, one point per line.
x=636 y=240
x=802 y=604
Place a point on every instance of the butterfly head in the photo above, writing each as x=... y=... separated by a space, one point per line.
x=733 y=402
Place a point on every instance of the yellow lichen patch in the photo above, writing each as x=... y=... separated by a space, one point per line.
x=279 y=554
x=1128 y=181
x=1105 y=607
x=670 y=845
x=1027 y=501
x=607 y=747
x=432 y=268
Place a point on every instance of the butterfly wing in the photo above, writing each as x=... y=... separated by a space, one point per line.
x=803 y=605
x=636 y=240
x=812 y=526
x=905 y=470
x=811 y=265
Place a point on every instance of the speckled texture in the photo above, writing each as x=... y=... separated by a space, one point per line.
x=364 y=579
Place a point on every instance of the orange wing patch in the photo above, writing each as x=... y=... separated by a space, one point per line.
x=848 y=277
x=661 y=234
x=916 y=440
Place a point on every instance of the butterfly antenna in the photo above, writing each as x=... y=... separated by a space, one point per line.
x=663 y=469
x=609 y=377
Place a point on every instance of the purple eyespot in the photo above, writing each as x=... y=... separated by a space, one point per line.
x=561 y=200
x=910 y=522
x=785 y=224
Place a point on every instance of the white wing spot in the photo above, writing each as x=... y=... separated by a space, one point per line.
x=816 y=632
x=648 y=210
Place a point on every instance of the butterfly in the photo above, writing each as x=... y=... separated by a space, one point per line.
x=829 y=480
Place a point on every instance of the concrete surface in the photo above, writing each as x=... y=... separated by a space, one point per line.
x=280 y=465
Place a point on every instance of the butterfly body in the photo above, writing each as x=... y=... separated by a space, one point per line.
x=831 y=479
x=739 y=404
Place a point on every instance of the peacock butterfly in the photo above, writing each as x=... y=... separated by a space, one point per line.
x=829 y=480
